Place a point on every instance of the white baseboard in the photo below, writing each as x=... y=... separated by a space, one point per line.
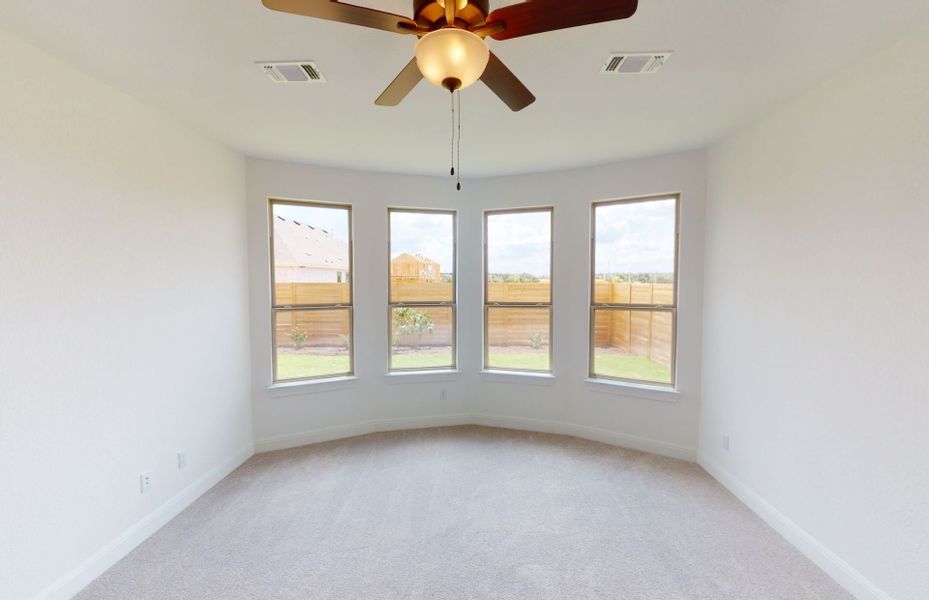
x=75 y=580
x=614 y=438
x=338 y=432
x=827 y=560
x=325 y=434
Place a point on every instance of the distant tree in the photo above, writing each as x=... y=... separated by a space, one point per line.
x=637 y=277
x=514 y=278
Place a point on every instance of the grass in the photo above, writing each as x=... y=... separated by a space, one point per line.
x=297 y=366
x=631 y=367
x=300 y=366
x=607 y=365
x=527 y=361
x=425 y=360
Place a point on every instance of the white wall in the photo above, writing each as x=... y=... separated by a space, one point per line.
x=123 y=309
x=816 y=360
x=653 y=421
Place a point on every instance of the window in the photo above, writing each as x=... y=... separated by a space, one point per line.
x=311 y=290
x=518 y=290
x=422 y=289
x=633 y=313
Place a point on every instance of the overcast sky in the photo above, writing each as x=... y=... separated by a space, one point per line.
x=333 y=220
x=636 y=237
x=429 y=234
x=519 y=243
x=631 y=238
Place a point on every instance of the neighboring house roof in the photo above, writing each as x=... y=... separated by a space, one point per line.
x=301 y=245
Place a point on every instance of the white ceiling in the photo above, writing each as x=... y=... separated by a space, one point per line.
x=733 y=61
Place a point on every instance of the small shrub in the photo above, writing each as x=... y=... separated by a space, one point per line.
x=409 y=321
x=299 y=337
x=536 y=340
x=346 y=340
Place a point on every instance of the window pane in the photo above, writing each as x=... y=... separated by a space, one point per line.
x=312 y=263
x=518 y=338
x=633 y=344
x=422 y=257
x=312 y=343
x=422 y=337
x=634 y=252
x=519 y=257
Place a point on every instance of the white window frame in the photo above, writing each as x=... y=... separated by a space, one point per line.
x=668 y=308
x=551 y=291
x=453 y=303
x=277 y=308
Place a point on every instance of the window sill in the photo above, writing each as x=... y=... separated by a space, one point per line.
x=520 y=377
x=634 y=390
x=311 y=386
x=406 y=377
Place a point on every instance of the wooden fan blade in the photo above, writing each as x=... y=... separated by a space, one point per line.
x=402 y=85
x=506 y=85
x=332 y=10
x=536 y=16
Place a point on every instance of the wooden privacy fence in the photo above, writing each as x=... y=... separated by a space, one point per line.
x=642 y=333
x=421 y=291
x=311 y=293
x=322 y=328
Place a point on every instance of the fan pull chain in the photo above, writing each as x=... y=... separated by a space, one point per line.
x=459 y=140
x=453 y=133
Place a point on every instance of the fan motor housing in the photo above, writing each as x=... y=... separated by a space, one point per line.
x=428 y=12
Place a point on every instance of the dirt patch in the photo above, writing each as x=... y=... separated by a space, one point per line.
x=421 y=349
x=519 y=350
x=314 y=350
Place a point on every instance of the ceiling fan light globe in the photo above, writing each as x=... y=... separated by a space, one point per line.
x=460 y=5
x=452 y=53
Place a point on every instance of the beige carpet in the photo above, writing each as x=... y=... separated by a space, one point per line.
x=465 y=512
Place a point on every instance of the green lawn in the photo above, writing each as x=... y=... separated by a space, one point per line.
x=608 y=365
x=297 y=366
x=631 y=367
x=531 y=361
x=426 y=360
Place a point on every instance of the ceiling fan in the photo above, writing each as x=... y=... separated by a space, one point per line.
x=451 y=51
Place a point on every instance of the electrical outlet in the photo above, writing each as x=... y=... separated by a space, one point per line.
x=145 y=481
x=443 y=394
x=181 y=459
x=726 y=442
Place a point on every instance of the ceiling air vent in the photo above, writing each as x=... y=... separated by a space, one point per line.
x=304 y=71
x=634 y=63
